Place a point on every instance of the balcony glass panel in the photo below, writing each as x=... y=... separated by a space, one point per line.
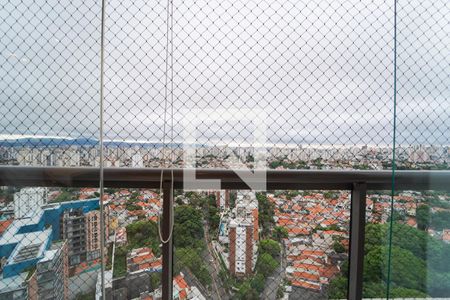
x=262 y=245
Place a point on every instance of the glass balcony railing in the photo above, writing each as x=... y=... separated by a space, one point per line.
x=300 y=242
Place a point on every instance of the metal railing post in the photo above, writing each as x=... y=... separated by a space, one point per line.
x=167 y=248
x=357 y=228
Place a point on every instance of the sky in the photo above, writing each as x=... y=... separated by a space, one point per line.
x=319 y=72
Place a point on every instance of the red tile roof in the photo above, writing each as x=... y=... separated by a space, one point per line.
x=4 y=225
x=411 y=222
x=305 y=276
x=329 y=271
x=179 y=280
x=298 y=231
x=305 y=285
x=183 y=294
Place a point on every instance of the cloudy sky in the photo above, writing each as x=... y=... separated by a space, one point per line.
x=320 y=72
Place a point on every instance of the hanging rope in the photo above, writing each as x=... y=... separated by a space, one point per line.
x=169 y=55
x=172 y=220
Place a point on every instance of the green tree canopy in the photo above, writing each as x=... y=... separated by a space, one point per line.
x=266 y=264
x=440 y=220
x=246 y=292
x=423 y=217
x=420 y=264
x=280 y=233
x=188 y=228
x=258 y=282
x=338 y=288
x=143 y=234
x=190 y=258
x=266 y=213
x=400 y=292
x=270 y=246
x=338 y=247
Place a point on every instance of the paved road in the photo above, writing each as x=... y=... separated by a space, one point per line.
x=219 y=293
x=274 y=281
x=304 y=294
x=193 y=281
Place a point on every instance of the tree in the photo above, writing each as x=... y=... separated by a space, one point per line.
x=407 y=270
x=375 y=234
x=338 y=247
x=280 y=233
x=338 y=288
x=420 y=264
x=265 y=212
x=179 y=201
x=270 y=246
x=195 y=199
x=190 y=258
x=110 y=191
x=120 y=262
x=440 y=220
x=213 y=217
x=274 y=164
x=155 y=280
x=423 y=217
x=64 y=196
x=258 y=282
x=131 y=206
x=293 y=193
x=143 y=234
x=318 y=163
x=246 y=292
x=266 y=264
x=374 y=290
x=233 y=197
x=188 y=228
x=397 y=216
x=400 y=292
x=438 y=284
x=329 y=195
x=361 y=167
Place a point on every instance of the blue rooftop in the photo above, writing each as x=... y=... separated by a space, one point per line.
x=26 y=240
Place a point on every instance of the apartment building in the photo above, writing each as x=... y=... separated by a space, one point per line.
x=74 y=230
x=241 y=244
x=223 y=199
x=50 y=280
x=93 y=230
x=83 y=232
x=243 y=235
x=29 y=200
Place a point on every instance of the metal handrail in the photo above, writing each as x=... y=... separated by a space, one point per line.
x=230 y=179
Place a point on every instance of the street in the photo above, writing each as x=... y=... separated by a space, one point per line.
x=219 y=293
x=274 y=281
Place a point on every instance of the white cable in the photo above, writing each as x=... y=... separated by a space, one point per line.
x=172 y=221
x=169 y=30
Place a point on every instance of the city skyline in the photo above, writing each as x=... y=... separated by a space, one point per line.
x=9 y=138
